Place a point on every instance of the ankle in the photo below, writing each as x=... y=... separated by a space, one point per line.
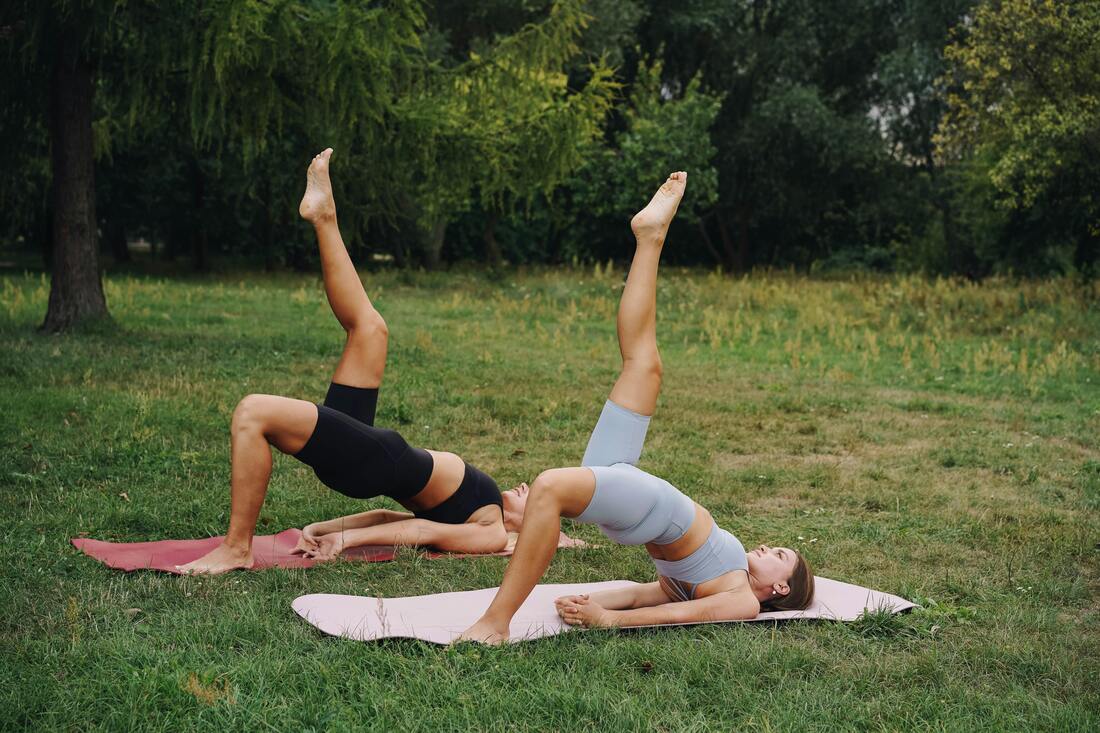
x=238 y=547
x=324 y=220
x=496 y=622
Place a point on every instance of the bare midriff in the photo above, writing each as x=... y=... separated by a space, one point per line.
x=448 y=470
x=692 y=540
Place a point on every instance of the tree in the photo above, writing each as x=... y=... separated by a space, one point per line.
x=60 y=64
x=232 y=92
x=909 y=105
x=1024 y=89
x=797 y=150
x=662 y=131
x=221 y=58
x=497 y=128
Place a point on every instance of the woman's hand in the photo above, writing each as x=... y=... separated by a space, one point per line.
x=329 y=547
x=583 y=611
x=315 y=530
x=306 y=543
x=563 y=600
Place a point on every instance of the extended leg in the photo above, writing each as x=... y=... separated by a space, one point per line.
x=640 y=380
x=364 y=357
x=259 y=422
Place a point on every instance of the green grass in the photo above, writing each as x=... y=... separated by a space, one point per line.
x=931 y=439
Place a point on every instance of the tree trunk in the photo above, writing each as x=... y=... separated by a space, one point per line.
x=116 y=239
x=950 y=238
x=736 y=253
x=710 y=242
x=43 y=233
x=269 y=227
x=744 y=214
x=76 y=291
x=942 y=198
x=198 y=231
x=492 y=247
x=432 y=239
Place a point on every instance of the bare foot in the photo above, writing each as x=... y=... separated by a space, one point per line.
x=317 y=203
x=484 y=632
x=651 y=223
x=220 y=560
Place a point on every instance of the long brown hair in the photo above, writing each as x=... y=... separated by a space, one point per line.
x=801 y=592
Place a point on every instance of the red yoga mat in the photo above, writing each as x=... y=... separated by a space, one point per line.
x=269 y=551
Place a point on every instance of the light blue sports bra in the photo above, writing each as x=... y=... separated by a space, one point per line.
x=720 y=554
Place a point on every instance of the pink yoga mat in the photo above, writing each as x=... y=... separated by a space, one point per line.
x=442 y=617
x=270 y=551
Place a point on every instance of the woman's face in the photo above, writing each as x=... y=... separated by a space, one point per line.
x=772 y=567
x=515 y=501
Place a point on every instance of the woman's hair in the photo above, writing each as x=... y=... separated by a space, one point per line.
x=801 y=594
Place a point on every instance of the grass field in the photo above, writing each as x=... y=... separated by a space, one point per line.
x=933 y=439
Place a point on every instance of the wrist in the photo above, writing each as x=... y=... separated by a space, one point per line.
x=613 y=618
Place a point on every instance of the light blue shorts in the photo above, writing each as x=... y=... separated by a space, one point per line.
x=630 y=506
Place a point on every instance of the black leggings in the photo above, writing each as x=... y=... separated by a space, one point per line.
x=350 y=455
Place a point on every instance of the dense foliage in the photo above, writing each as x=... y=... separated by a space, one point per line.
x=1027 y=76
x=945 y=136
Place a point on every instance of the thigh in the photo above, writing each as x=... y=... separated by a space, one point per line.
x=363 y=360
x=617 y=438
x=621 y=498
x=638 y=385
x=572 y=488
x=633 y=507
x=356 y=402
x=287 y=423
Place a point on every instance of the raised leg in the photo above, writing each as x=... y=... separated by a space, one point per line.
x=567 y=492
x=639 y=383
x=259 y=422
x=364 y=357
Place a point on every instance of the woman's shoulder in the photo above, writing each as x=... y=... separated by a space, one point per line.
x=740 y=600
x=734 y=585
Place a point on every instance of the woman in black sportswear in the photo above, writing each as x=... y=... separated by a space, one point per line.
x=453 y=506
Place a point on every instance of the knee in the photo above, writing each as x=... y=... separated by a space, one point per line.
x=649 y=366
x=249 y=413
x=369 y=325
x=547 y=489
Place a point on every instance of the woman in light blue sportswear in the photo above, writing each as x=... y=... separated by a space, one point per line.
x=704 y=572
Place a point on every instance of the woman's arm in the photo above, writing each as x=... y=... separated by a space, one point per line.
x=634 y=596
x=719 y=607
x=471 y=537
x=356 y=521
x=312 y=533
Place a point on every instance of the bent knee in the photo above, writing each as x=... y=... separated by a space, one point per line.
x=368 y=325
x=649 y=366
x=549 y=487
x=252 y=411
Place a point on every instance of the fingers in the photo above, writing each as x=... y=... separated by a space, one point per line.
x=569 y=616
